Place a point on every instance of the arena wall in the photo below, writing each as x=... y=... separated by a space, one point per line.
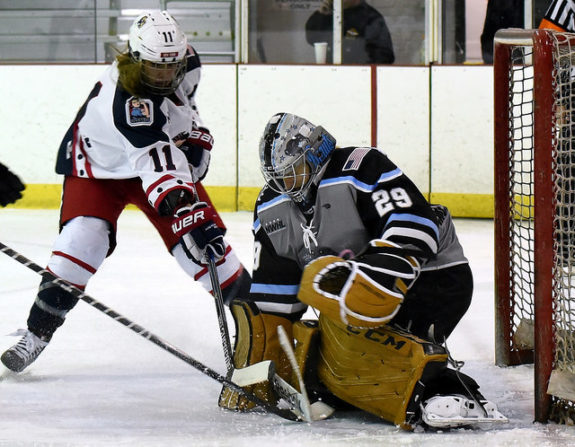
x=435 y=122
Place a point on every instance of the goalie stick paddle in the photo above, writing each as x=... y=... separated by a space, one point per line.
x=304 y=407
x=310 y=412
x=284 y=413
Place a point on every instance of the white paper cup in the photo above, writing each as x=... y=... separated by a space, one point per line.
x=320 y=52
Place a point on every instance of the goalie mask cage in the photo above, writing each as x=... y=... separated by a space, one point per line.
x=534 y=84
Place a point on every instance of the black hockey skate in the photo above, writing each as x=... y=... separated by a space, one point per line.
x=23 y=353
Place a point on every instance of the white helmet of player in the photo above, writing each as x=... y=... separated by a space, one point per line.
x=157 y=42
x=293 y=151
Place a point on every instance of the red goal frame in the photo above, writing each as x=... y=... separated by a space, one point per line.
x=541 y=51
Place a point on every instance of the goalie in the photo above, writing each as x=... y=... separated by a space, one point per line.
x=346 y=232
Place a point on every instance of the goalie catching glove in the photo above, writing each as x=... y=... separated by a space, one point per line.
x=365 y=292
x=198 y=233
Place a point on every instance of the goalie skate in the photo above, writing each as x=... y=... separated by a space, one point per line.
x=459 y=411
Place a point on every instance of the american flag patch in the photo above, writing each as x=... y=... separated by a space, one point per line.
x=355 y=158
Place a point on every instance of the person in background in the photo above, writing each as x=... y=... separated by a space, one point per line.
x=138 y=139
x=366 y=38
x=345 y=231
x=500 y=14
x=560 y=16
x=11 y=186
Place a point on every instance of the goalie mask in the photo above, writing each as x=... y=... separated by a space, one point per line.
x=157 y=43
x=292 y=154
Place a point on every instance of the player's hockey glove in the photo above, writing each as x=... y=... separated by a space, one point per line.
x=10 y=186
x=198 y=233
x=197 y=149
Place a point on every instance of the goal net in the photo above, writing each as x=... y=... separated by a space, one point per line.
x=534 y=84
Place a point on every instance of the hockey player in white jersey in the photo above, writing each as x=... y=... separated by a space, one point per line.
x=347 y=232
x=138 y=139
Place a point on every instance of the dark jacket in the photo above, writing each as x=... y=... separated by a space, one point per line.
x=366 y=38
x=500 y=14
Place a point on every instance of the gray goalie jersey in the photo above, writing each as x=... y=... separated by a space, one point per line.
x=362 y=196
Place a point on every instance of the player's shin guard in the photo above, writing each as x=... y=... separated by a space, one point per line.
x=256 y=340
x=49 y=309
x=382 y=371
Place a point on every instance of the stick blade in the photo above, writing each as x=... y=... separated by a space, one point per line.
x=320 y=411
x=310 y=412
x=256 y=373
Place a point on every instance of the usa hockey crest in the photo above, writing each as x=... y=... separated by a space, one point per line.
x=139 y=112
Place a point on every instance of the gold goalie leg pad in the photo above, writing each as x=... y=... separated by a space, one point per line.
x=256 y=340
x=377 y=370
x=306 y=336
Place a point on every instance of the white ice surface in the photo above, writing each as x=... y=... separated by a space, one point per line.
x=98 y=383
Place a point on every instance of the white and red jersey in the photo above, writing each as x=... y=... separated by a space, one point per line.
x=118 y=136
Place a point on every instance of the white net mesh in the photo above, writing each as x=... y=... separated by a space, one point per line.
x=521 y=197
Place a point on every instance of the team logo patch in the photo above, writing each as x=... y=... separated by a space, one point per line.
x=273 y=226
x=139 y=112
x=142 y=21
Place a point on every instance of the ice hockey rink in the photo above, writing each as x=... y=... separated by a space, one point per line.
x=100 y=384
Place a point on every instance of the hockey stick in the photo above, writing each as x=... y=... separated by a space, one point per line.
x=221 y=311
x=76 y=292
x=313 y=412
x=258 y=372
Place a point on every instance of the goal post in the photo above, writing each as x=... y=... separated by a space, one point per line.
x=534 y=102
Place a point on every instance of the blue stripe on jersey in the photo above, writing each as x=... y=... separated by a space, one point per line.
x=415 y=219
x=385 y=177
x=274 y=289
x=256 y=225
x=272 y=202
